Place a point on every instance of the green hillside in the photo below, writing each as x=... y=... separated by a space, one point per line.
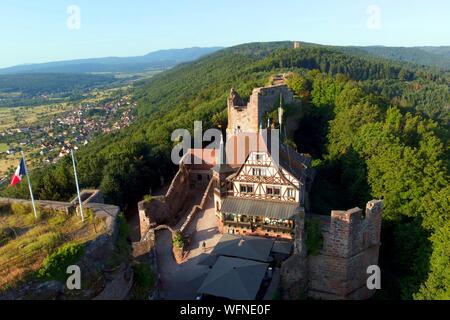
x=427 y=56
x=377 y=128
x=45 y=83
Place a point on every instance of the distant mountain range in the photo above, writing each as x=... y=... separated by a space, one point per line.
x=161 y=59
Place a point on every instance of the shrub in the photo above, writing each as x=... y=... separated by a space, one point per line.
x=5 y=208
x=55 y=265
x=6 y=234
x=124 y=232
x=122 y=250
x=178 y=240
x=144 y=276
x=314 y=238
x=148 y=197
x=144 y=280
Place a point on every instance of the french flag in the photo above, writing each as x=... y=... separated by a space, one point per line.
x=20 y=172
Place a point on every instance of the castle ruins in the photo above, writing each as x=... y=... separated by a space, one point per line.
x=267 y=197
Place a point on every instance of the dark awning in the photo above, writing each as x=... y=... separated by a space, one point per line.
x=234 y=278
x=247 y=247
x=260 y=208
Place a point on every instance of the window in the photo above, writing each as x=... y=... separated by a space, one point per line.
x=259 y=172
x=273 y=191
x=290 y=193
x=199 y=177
x=259 y=157
x=245 y=188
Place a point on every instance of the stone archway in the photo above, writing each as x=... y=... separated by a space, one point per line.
x=177 y=251
x=164 y=226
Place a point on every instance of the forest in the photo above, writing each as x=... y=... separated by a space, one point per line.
x=34 y=89
x=48 y=83
x=376 y=128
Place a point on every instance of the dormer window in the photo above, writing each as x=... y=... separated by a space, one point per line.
x=259 y=172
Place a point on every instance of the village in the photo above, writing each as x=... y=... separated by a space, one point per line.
x=49 y=140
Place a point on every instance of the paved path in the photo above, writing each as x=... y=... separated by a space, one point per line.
x=181 y=281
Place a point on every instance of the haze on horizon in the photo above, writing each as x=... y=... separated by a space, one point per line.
x=45 y=31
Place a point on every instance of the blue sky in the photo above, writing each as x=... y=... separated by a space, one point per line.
x=37 y=31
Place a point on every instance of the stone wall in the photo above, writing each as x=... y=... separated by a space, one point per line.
x=350 y=244
x=197 y=208
x=165 y=209
x=248 y=118
x=66 y=207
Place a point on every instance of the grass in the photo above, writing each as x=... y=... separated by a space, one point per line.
x=22 y=255
x=3 y=147
x=24 y=116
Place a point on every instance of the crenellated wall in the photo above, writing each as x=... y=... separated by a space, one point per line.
x=351 y=243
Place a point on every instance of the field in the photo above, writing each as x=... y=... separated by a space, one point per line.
x=25 y=243
x=24 y=116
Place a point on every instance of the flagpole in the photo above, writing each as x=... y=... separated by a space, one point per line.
x=29 y=185
x=76 y=182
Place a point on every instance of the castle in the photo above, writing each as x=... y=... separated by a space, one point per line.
x=261 y=192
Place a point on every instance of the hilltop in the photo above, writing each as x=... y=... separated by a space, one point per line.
x=381 y=123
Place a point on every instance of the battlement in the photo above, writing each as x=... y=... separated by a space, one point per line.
x=350 y=233
x=248 y=117
x=351 y=243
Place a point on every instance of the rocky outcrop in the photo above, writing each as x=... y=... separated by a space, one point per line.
x=96 y=277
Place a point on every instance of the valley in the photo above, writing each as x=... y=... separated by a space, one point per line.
x=47 y=133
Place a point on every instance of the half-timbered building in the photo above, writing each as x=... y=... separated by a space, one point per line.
x=260 y=184
x=263 y=197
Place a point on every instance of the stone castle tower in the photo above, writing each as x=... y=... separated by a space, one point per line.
x=351 y=243
x=247 y=118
